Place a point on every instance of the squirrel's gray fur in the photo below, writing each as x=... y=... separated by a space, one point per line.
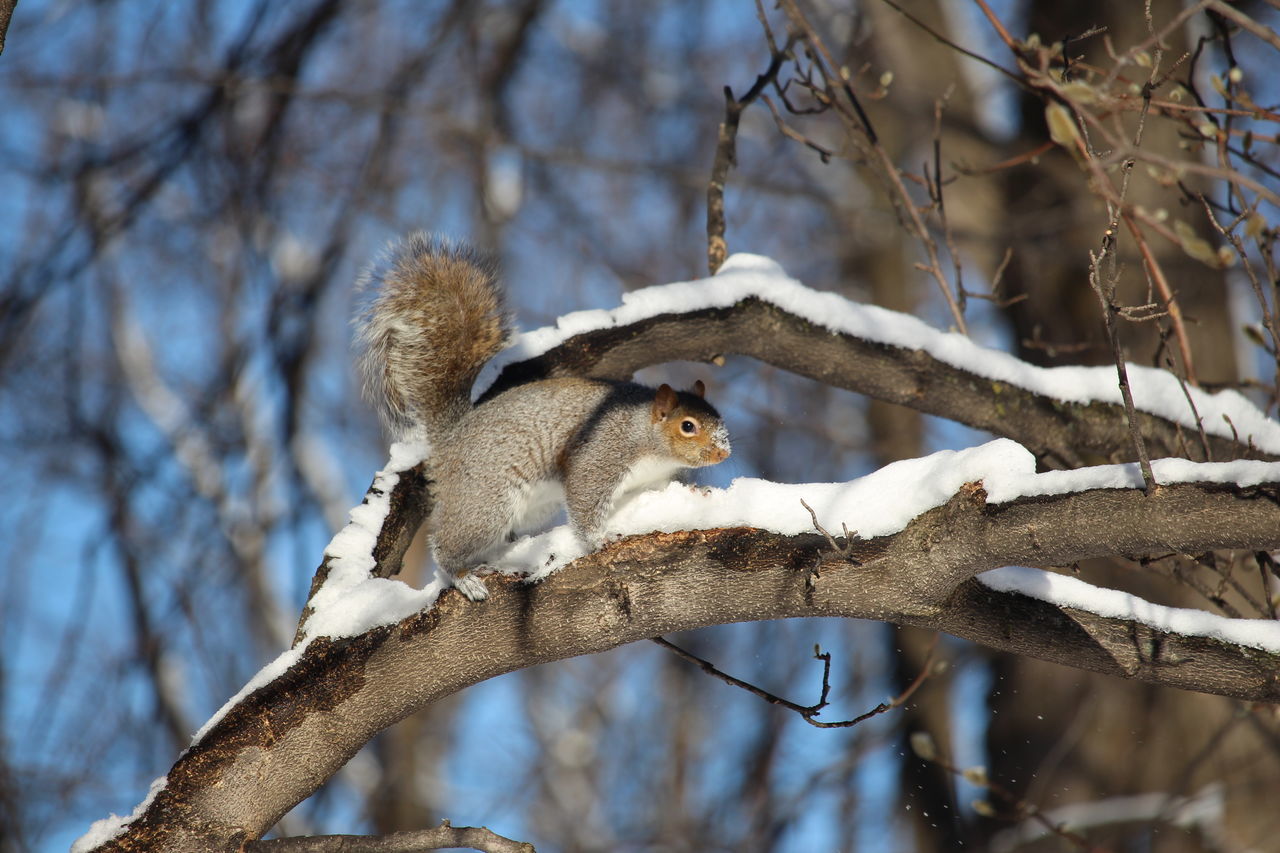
x=505 y=465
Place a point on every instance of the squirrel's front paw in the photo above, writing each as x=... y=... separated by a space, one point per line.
x=471 y=586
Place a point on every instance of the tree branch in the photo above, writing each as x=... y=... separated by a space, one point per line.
x=410 y=503
x=298 y=729
x=727 y=151
x=1124 y=648
x=1061 y=433
x=441 y=837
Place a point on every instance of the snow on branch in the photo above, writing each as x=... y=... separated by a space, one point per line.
x=926 y=528
x=1068 y=593
x=339 y=692
x=355 y=597
x=752 y=307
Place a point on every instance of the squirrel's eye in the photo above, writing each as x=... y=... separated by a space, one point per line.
x=688 y=426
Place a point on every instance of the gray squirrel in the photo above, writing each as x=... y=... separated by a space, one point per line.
x=506 y=465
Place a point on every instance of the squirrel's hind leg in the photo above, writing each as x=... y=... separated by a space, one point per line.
x=462 y=543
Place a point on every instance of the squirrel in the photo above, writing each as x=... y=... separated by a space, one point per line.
x=503 y=467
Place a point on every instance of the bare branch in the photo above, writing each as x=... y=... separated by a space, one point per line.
x=727 y=153
x=1245 y=22
x=846 y=550
x=836 y=81
x=1104 y=286
x=807 y=712
x=442 y=837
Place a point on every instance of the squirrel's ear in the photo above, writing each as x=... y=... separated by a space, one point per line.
x=664 y=402
x=699 y=388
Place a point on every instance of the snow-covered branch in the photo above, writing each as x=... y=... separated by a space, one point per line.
x=950 y=517
x=1065 y=415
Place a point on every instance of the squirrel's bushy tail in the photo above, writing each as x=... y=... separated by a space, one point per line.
x=435 y=317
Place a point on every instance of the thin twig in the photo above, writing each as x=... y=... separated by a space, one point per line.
x=1106 y=296
x=825 y=62
x=1117 y=198
x=1195 y=413
x=1153 y=268
x=835 y=79
x=808 y=712
x=844 y=550
x=1269 y=570
x=1016 y=160
x=998 y=26
x=727 y=152
x=1226 y=578
x=825 y=154
x=1209 y=595
x=1269 y=320
x=1154 y=39
x=936 y=192
x=1243 y=21
x=977 y=57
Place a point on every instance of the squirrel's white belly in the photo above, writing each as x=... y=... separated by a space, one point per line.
x=536 y=505
x=647 y=472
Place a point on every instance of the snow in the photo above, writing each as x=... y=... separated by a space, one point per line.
x=1021 y=480
x=269 y=673
x=879 y=504
x=102 y=831
x=350 y=601
x=1073 y=593
x=1226 y=413
x=882 y=503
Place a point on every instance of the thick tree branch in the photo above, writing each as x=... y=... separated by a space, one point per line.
x=1062 y=434
x=299 y=729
